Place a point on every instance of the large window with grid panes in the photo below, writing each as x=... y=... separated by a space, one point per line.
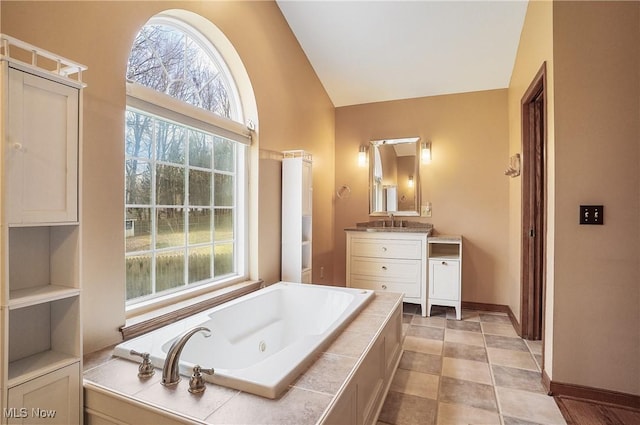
x=185 y=165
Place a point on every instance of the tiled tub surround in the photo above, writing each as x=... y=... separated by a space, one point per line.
x=474 y=371
x=259 y=342
x=345 y=385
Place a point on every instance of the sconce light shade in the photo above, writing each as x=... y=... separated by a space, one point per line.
x=425 y=152
x=410 y=182
x=362 y=156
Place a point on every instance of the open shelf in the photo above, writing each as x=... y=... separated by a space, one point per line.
x=38 y=364
x=43 y=337
x=444 y=250
x=43 y=261
x=27 y=297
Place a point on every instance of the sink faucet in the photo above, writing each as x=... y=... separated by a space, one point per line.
x=170 y=371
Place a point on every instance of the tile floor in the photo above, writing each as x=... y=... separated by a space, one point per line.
x=473 y=371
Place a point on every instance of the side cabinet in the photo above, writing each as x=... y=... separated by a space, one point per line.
x=389 y=261
x=53 y=399
x=297 y=213
x=43 y=147
x=445 y=272
x=40 y=237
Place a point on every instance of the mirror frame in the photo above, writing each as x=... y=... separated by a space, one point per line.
x=415 y=212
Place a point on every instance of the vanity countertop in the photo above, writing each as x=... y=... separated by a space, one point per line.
x=401 y=226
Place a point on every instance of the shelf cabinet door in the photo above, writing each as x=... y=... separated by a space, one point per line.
x=42 y=150
x=444 y=279
x=50 y=399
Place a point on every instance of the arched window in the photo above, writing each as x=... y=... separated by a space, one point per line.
x=185 y=155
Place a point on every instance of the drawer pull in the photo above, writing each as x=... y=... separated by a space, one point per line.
x=384 y=267
x=444 y=263
x=384 y=248
x=384 y=286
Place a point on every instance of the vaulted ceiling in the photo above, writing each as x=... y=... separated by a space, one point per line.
x=372 y=51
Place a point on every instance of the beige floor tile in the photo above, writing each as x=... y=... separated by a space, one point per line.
x=458 y=391
x=511 y=358
x=465 y=351
x=437 y=322
x=406 y=409
x=535 y=346
x=503 y=329
x=521 y=379
x=534 y=407
x=422 y=345
x=464 y=337
x=459 y=414
x=470 y=315
x=415 y=383
x=466 y=369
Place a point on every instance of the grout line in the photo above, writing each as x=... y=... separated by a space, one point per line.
x=493 y=378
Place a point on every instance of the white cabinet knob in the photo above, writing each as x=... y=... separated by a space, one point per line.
x=384 y=267
x=17 y=146
x=384 y=286
x=384 y=248
x=444 y=263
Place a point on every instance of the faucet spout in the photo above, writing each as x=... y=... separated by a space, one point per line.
x=170 y=371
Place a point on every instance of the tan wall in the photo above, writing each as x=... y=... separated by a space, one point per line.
x=534 y=50
x=597 y=131
x=464 y=182
x=294 y=113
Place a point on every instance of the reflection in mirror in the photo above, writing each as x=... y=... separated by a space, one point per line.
x=394 y=177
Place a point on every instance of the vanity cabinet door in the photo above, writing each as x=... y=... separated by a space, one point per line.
x=42 y=154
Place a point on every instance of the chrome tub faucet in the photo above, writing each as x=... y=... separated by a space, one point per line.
x=170 y=370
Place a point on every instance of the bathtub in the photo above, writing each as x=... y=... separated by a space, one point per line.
x=259 y=343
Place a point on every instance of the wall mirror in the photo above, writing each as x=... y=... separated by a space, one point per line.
x=394 y=177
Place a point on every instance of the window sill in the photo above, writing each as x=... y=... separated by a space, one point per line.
x=148 y=321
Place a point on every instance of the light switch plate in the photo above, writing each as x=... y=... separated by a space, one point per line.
x=591 y=214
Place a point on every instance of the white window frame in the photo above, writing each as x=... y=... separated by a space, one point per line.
x=152 y=102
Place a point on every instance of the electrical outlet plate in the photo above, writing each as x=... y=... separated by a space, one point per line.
x=425 y=211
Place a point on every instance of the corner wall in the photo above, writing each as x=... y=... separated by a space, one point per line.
x=534 y=50
x=596 y=323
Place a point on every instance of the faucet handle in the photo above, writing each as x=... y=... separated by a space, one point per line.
x=196 y=383
x=146 y=369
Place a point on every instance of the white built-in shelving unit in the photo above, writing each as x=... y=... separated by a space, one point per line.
x=297 y=222
x=40 y=264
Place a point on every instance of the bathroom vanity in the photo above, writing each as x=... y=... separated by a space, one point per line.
x=386 y=258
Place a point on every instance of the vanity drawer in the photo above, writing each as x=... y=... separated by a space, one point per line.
x=387 y=268
x=386 y=248
x=408 y=288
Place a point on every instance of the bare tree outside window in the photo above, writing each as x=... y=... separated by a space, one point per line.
x=169 y=61
x=180 y=182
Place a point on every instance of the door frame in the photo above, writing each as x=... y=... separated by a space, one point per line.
x=533 y=267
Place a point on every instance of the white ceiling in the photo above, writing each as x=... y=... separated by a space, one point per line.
x=370 y=51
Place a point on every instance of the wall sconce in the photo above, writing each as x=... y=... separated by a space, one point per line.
x=362 y=156
x=425 y=152
x=410 y=182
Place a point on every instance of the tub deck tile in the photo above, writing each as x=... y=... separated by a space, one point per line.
x=296 y=406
